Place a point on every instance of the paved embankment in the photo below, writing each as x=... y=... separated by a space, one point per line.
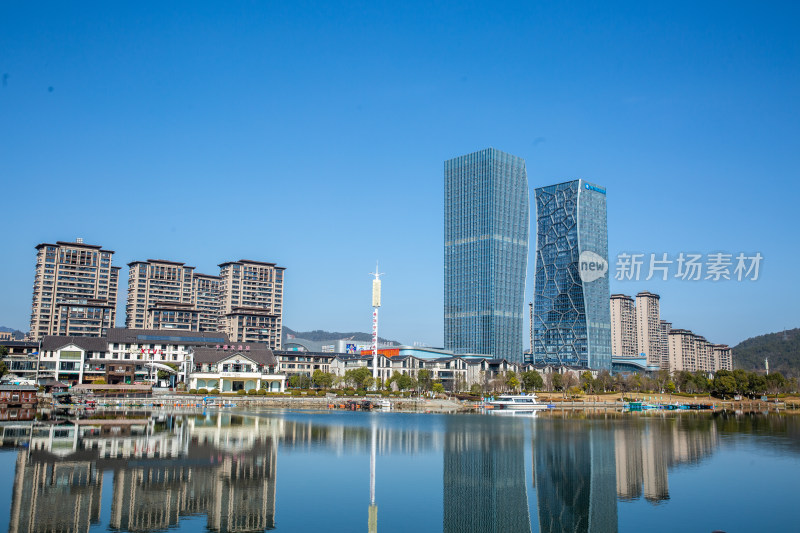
x=286 y=402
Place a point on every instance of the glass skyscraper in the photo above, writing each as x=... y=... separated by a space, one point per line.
x=486 y=220
x=572 y=317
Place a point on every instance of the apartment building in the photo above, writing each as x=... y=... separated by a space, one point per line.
x=74 y=290
x=723 y=357
x=154 y=287
x=648 y=326
x=691 y=352
x=171 y=295
x=251 y=295
x=666 y=326
x=681 y=350
x=623 y=326
x=206 y=299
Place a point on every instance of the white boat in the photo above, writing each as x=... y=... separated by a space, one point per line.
x=511 y=402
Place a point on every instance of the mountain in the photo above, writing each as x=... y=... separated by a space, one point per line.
x=16 y=334
x=782 y=349
x=319 y=335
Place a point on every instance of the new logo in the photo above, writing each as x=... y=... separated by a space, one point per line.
x=591 y=266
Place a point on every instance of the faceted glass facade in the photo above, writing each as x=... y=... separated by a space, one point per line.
x=572 y=322
x=486 y=220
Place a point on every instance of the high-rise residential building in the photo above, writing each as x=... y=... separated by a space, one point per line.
x=691 y=352
x=665 y=329
x=723 y=358
x=486 y=225
x=572 y=319
x=74 y=291
x=682 y=354
x=207 y=301
x=251 y=295
x=170 y=295
x=623 y=326
x=160 y=292
x=648 y=326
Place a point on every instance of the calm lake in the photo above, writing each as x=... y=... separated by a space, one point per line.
x=355 y=471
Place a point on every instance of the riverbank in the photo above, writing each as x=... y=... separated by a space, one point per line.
x=615 y=401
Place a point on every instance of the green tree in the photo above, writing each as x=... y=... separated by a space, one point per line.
x=587 y=381
x=604 y=380
x=756 y=384
x=700 y=381
x=775 y=382
x=163 y=374
x=475 y=390
x=670 y=386
x=742 y=381
x=511 y=380
x=360 y=378
x=725 y=385
x=425 y=379
x=512 y=383
x=557 y=381
x=532 y=380
x=403 y=381
x=323 y=380
x=438 y=388
x=3 y=367
x=661 y=379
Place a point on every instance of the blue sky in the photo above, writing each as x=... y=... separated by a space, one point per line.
x=314 y=134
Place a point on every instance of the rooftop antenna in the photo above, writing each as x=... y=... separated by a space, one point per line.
x=376 y=303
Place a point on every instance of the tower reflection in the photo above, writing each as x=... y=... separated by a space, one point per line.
x=575 y=476
x=484 y=476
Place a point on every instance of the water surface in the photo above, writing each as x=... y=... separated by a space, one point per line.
x=352 y=471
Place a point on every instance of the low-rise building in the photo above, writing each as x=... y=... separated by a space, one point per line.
x=123 y=356
x=18 y=396
x=21 y=359
x=247 y=367
x=303 y=363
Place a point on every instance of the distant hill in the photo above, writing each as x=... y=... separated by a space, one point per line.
x=782 y=349
x=319 y=335
x=16 y=334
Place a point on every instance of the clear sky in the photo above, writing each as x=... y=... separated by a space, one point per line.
x=313 y=135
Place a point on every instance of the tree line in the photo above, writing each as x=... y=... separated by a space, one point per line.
x=723 y=383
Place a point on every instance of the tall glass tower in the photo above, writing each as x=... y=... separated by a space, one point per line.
x=572 y=317
x=486 y=220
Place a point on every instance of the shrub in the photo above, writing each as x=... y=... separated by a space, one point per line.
x=214 y=391
x=192 y=391
x=241 y=392
x=295 y=392
x=99 y=381
x=252 y=392
x=202 y=391
x=261 y=392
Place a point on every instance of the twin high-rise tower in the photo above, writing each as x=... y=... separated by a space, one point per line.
x=487 y=222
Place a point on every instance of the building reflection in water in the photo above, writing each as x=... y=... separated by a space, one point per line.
x=484 y=476
x=647 y=447
x=575 y=476
x=220 y=465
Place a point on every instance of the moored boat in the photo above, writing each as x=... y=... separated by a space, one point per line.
x=512 y=402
